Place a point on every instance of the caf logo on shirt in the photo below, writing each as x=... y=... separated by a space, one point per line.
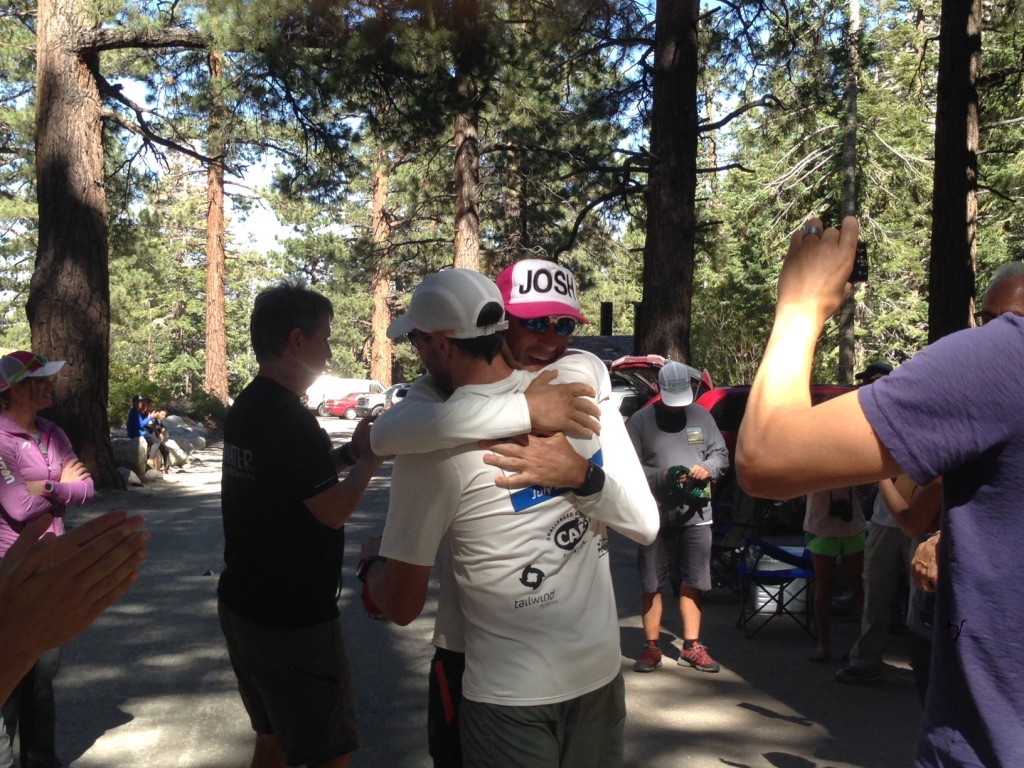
x=569 y=534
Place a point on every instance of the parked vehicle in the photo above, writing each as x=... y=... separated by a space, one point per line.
x=635 y=382
x=397 y=395
x=329 y=387
x=733 y=508
x=374 y=403
x=344 y=407
x=728 y=404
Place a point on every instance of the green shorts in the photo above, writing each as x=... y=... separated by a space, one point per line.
x=834 y=546
x=585 y=732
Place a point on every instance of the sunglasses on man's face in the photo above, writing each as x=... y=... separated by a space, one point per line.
x=414 y=338
x=563 y=325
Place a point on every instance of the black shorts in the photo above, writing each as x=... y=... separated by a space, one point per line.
x=444 y=697
x=295 y=684
x=683 y=556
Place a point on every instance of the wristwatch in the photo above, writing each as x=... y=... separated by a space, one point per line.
x=363 y=568
x=593 y=481
x=47 y=488
x=345 y=454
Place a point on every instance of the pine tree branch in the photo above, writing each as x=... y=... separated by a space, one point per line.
x=621 y=191
x=141 y=127
x=768 y=100
x=997 y=193
x=109 y=39
x=727 y=167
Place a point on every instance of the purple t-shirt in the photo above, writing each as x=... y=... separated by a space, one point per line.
x=957 y=410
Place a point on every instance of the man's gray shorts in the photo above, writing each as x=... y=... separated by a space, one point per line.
x=585 y=732
x=295 y=684
x=682 y=555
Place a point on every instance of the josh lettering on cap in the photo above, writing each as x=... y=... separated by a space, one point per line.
x=539 y=288
x=544 y=281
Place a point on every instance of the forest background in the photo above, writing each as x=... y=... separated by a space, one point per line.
x=663 y=150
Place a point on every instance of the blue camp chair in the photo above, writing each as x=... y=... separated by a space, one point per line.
x=774 y=581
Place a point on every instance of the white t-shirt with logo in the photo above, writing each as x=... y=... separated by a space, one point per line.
x=530 y=566
x=425 y=422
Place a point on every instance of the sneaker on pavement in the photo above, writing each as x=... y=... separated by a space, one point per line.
x=698 y=658
x=648 y=660
x=857 y=674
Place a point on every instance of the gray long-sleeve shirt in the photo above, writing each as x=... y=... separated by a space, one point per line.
x=663 y=439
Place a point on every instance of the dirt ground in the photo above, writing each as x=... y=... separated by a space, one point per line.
x=150 y=685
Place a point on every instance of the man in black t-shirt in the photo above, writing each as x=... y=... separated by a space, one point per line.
x=284 y=510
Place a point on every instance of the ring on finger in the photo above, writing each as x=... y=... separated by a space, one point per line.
x=810 y=229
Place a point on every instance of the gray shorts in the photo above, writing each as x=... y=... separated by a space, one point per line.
x=585 y=732
x=683 y=556
x=295 y=684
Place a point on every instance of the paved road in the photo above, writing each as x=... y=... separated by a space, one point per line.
x=150 y=686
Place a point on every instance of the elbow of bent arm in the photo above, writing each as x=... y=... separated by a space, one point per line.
x=649 y=523
x=748 y=474
x=757 y=474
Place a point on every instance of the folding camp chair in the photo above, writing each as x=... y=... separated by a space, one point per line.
x=774 y=581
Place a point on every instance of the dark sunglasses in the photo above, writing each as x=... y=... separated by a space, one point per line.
x=414 y=338
x=980 y=318
x=563 y=325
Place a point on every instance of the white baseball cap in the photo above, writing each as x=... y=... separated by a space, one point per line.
x=676 y=382
x=451 y=302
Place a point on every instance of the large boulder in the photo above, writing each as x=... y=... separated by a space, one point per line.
x=131 y=453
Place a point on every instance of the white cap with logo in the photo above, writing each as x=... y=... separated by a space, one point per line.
x=676 y=382
x=451 y=302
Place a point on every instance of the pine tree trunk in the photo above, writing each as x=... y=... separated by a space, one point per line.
x=69 y=296
x=467 y=185
x=380 y=286
x=955 y=205
x=664 y=321
x=215 y=381
x=468 y=52
x=847 y=313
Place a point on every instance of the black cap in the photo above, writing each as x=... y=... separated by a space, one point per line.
x=877 y=368
x=137 y=399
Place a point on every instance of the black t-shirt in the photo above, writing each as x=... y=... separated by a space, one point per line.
x=283 y=565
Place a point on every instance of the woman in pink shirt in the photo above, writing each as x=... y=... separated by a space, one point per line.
x=39 y=474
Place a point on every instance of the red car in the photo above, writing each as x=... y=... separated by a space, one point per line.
x=727 y=405
x=345 y=407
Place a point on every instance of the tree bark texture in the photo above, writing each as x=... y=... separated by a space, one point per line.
x=467 y=185
x=848 y=311
x=215 y=380
x=664 y=322
x=468 y=53
x=381 y=347
x=69 y=296
x=955 y=206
